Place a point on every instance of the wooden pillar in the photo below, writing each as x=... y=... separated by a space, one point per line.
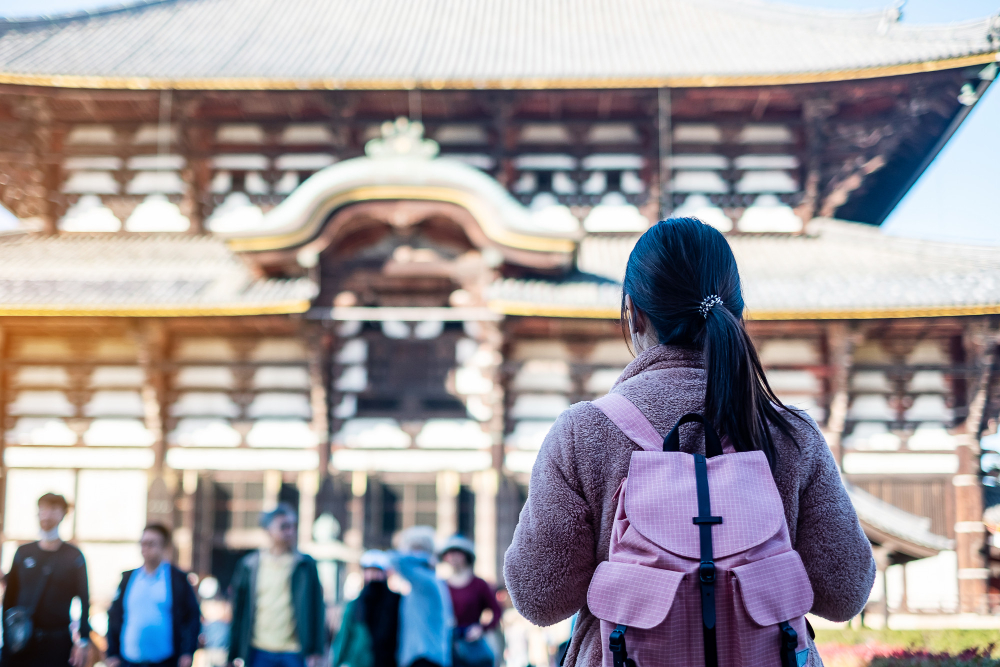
x=970 y=532
x=664 y=129
x=162 y=483
x=3 y=431
x=272 y=488
x=184 y=536
x=485 y=485
x=308 y=486
x=32 y=196
x=319 y=343
x=197 y=174
x=815 y=113
x=840 y=343
x=904 y=603
x=448 y=486
x=502 y=113
x=354 y=536
x=152 y=351
x=882 y=562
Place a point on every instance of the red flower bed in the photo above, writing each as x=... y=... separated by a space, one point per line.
x=880 y=655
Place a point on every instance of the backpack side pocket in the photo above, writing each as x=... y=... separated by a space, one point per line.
x=639 y=598
x=770 y=591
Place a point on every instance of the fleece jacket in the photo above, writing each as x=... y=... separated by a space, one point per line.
x=564 y=530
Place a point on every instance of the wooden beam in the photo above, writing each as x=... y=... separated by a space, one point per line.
x=815 y=114
x=839 y=193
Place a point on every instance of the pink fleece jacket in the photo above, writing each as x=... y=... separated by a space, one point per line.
x=564 y=530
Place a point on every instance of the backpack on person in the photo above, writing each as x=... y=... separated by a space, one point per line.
x=701 y=570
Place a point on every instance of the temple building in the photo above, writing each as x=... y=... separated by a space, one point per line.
x=358 y=256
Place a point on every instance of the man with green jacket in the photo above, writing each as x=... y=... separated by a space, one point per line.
x=279 y=617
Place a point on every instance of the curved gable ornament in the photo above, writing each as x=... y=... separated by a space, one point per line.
x=402 y=165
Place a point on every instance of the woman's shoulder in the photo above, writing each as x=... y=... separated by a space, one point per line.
x=804 y=440
x=577 y=419
x=800 y=421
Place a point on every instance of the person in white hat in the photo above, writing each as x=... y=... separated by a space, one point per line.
x=470 y=597
x=369 y=632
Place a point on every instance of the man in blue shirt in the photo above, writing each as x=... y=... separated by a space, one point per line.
x=154 y=620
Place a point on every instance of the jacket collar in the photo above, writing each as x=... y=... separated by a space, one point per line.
x=297 y=555
x=661 y=357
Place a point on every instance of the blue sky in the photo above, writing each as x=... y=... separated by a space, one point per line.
x=953 y=200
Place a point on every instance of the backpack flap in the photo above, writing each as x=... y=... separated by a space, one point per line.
x=775 y=589
x=632 y=595
x=662 y=498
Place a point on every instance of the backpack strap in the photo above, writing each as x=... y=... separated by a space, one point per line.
x=631 y=421
x=713 y=446
x=39 y=592
x=706 y=569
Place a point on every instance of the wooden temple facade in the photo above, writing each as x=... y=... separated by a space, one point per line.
x=358 y=259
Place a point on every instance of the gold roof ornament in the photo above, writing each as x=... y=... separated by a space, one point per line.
x=402 y=138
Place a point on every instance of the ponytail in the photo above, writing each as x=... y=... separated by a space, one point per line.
x=682 y=274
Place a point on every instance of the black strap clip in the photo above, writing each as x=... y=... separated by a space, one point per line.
x=709 y=520
x=706 y=572
x=789 y=642
x=619 y=652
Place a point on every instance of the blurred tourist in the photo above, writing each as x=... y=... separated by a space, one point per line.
x=43 y=580
x=278 y=609
x=425 y=615
x=369 y=631
x=470 y=597
x=216 y=615
x=154 y=620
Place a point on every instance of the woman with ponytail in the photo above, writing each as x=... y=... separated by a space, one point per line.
x=682 y=314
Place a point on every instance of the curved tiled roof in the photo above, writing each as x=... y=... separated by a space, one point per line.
x=839 y=270
x=161 y=274
x=474 y=43
x=907 y=533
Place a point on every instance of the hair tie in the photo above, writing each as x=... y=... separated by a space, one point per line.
x=708 y=303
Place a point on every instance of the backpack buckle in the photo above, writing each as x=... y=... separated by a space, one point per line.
x=616 y=641
x=789 y=638
x=706 y=572
x=616 y=644
x=789 y=642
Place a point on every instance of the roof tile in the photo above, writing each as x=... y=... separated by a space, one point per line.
x=471 y=40
x=106 y=272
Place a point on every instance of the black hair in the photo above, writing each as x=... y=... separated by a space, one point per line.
x=672 y=273
x=54 y=500
x=282 y=510
x=160 y=530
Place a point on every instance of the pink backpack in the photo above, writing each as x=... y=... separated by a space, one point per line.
x=699 y=548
